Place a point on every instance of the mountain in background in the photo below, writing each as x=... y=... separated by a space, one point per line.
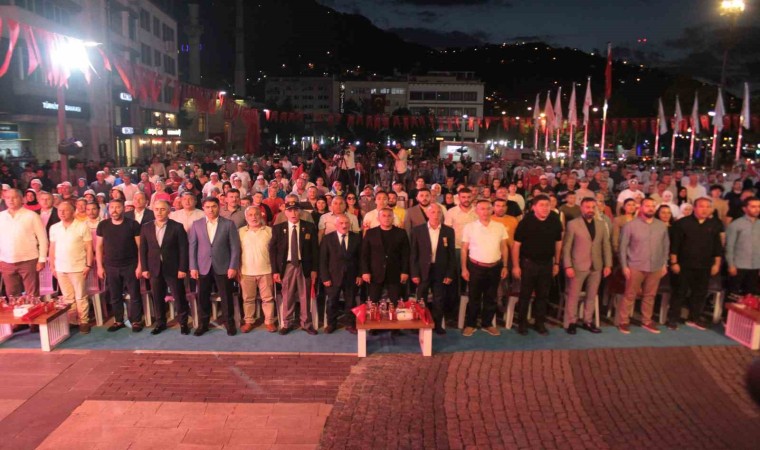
x=304 y=38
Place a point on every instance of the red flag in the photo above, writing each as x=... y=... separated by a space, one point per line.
x=608 y=73
x=34 y=51
x=13 y=30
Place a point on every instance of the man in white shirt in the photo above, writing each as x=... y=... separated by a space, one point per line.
x=212 y=183
x=256 y=269
x=327 y=221
x=243 y=175
x=189 y=213
x=71 y=260
x=23 y=246
x=128 y=188
x=694 y=190
x=371 y=218
x=632 y=191
x=484 y=263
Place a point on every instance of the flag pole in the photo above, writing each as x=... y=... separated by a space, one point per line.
x=691 y=145
x=739 y=139
x=673 y=147
x=570 y=145
x=714 y=145
x=535 y=138
x=604 y=131
x=546 y=139
x=657 y=140
x=585 y=140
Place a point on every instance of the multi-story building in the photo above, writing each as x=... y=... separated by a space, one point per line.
x=29 y=106
x=374 y=97
x=305 y=94
x=101 y=113
x=448 y=94
x=145 y=33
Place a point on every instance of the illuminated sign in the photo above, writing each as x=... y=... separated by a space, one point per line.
x=127 y=130
x=68 y=108
x=173 y=132
x=125 y=96
x=154 y=131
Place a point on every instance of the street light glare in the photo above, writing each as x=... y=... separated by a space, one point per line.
x=728 y=7
x=70 y=53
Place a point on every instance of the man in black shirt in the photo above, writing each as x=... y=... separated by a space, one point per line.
x=695 y=253
x=117 y=250
x=535 y=260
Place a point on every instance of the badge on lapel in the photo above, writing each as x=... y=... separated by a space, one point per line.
x=307 y=236
x=445 y=241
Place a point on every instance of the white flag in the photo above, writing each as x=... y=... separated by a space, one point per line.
x=537 y=108
x=695 y=115
x=745 y=107
x=558 y=110
x=587 y=103
x=549 y=112
x=678 y=116
x=663 y=120
x=572 y=114
x=720 y=111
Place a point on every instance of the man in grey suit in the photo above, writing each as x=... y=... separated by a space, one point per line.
x=214 y=256
x=587 y=257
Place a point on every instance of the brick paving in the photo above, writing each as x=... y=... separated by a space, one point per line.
x=686 y=397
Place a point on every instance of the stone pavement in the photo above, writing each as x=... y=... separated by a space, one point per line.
x=686 y=397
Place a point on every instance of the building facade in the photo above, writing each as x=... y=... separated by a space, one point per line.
x=448 y=94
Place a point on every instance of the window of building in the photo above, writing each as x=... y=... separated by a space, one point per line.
x=455 y=96
x=471 y=96
x=398 y=91
x=156 y=57
x=144 y=20
x=415 y=95
x=132 y=29
x=442 y=96
x=145 y=55
x=428 y=95
x=169 y=66
x=168 y=33
x=156 y=27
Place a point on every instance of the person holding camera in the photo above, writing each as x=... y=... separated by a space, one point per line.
x=317 y=163
x=401 y=165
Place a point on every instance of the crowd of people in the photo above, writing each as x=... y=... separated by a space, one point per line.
x=322 y=225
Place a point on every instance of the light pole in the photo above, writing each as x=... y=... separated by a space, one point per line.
x=732 y=9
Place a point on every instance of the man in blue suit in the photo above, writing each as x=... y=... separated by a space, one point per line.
x=214 y=256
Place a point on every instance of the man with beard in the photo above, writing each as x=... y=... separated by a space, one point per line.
x=587 y=257
x=416 y=214
x=644 y=245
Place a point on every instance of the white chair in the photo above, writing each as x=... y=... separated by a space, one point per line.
x=581 y=304
x=145 y=297
x=94 y=289
x=46 y=283
x=509 y=314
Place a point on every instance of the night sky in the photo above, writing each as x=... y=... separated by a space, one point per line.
x=586 y=24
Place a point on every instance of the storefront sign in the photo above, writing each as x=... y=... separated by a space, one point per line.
x=68 y=108
x=127 y=130
x=154 y=131
x=8 y=131
x=125 y=96
x=173 y=132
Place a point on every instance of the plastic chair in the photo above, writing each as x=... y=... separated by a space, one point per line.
x=94 y=288
x=46 y=283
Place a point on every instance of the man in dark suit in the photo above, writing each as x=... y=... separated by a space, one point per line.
x=339 y=266
x=294 y=251
x=433 y=262
x=141 y=214
x=385 y=258
x=164 y=260
x=214 y=256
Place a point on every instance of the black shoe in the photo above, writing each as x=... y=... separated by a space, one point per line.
x=330 y=329
x=231 y=330
x=440 y=331
x=672 y=325
x=541 y=329
x=184 y=329
x=201 y=330
x=157 y=329
x=522 y=330
x=571 y=328
x=284 y=330
x=137 y=327
x=591 y=328
x=116 y=327
x=310 y=331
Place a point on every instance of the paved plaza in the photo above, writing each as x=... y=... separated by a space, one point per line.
x=671 y=397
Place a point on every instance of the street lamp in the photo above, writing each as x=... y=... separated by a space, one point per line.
x=68 y=54
x=732 y=9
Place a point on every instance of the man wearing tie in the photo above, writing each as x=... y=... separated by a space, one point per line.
x=294 y=251
x=433 y=261
x=164 y=259
x=214 y=256
x=339 y=266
